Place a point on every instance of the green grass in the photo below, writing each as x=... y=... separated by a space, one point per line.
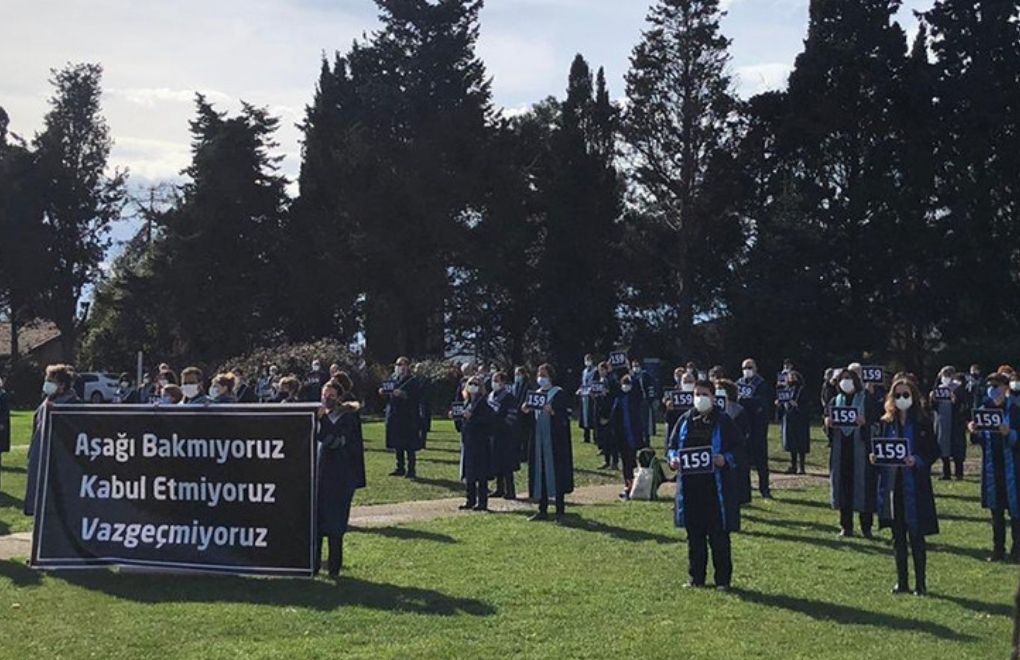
x=604 y=585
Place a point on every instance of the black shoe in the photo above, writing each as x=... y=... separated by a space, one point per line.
x=334 y=575
x=791 y=470
x=921 y=591
x=604 y=466
x=399 y=472
x=481 y=508
x=900 y=589
x=497 y=493
x=767 y=495
x=510 y=496
x=802 y=470
x=467 y=506
x=846 y=533
x=560 y=517
x=722 y=587
x=541 y=515
x=411 y=474
x=866 y=533
x=625 y=495
x=997 y=555
x=946 y=477
x=691 y=584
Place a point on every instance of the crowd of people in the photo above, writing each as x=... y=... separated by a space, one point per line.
x=716 y=437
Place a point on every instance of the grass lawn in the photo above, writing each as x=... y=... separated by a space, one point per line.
x=606 y=584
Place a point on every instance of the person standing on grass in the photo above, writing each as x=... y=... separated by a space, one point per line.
x=708 y=503
x=603 y=406
x=586 y=420
x=505 y=449
x=950 y=411
x=476 y=445
x=628 y=429
x=57 y=388
x=1000 y=475
x=551 y=462
x=758 y=403
x=5 y=421
x=645 y=386
x=852 y=478
x=906 y=501
x=403 y=423
x=736 y=412
x=795 y=424
x=684 y=381
x=340 y=467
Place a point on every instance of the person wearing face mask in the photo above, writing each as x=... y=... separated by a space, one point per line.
x=125 y=392
x=191 y=388
x=340 y=469
x=58 y=388
x=852 y=478
x=506 y=459
x=424 y=401
x=829 y=387
x=5 y=421
x=243 y=390
x=794 y=423
x=171 y=396
x=1000 y=468
x=222 y=389
x=727 y=388
x=289 y=390
x=758 y=405
x=975 y=386
x=950 y=412
x=265 y=387
x=605 y=438
x=628 y=430
x=476 y=445
x=645 y=385
x=906 y=501
x=313 y=382
x=403 y=423
x=586 y=420
x=1014 y=389
x=551 y=462
x=684 y=381
x=525 y=427
x=708 y=505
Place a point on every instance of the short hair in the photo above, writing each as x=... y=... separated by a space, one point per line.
x=403 y=360
x=706 y=385
x=729 y=386
x=192 y=371
x=548 y=368
x=998 y=380
x=290 y=384
x=226 y=380
x=60 y=373
x=174 y=392
x=500 y=376
x=124 y=376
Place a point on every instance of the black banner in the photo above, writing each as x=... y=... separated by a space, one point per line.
x=220 y=488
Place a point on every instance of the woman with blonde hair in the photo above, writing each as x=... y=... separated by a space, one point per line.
x=906 y=501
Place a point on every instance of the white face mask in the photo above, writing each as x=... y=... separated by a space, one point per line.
x=703 y=403
x=947 y=381
x=544 y=382
x=472 y=389
x=124 y=384
x=626 y=388
x=847 y=385
x=748 y=373
x=49 y=388
x=215 y=391
x=497 y=387
x=190 y=390
x=588 y=363
x=904 y=404
x=636 y=368
x=687 y=387
x=1014 y=385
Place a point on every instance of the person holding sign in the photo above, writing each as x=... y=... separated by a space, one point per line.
x=603 y=406
x=340 y=467
x=736 y=412
x=476 y=445
x=628 y=429
x=403 y=427
x=586 y=420
x=57 y=388
x=704 y=450
x=525 y=428
x=675 y=403
x=852 y=478
x=794 y=422
x=906 y=501
x=995 y=427
x=950 y=410
x=757 y=398
x=645 y=386
x=551 y=462
x=506 y=458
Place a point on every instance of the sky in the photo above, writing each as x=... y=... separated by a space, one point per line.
x=156 y=55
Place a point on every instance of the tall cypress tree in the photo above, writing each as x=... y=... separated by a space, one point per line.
x=676 y=126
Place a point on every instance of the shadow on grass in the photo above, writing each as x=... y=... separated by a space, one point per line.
x=956 y=496
x=800 y=501
x=849 y=615
x=9 y=500
x=18 y=572
x=311 y=594
x=792 y=524
x=573 y=521
x=829 y=544
x=13 y=469
x=991 y=609
x=405 y=534
x=455 y=487
x=961 y=518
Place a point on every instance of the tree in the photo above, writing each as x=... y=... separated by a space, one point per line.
x=677 y=125
x=80 y=199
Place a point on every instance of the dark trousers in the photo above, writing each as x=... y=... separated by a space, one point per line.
x=543 y=503
x=587 y=435
x=408 y=457
x=336 y=553
x=902 y=535
x=612 y=455
x=999 y=532
x=505 y=486
x=763 y=478
x=795 y=456
x=629 y=457
x=698 y=541
x=478 y=494
x=957 y=463
x=846 y=520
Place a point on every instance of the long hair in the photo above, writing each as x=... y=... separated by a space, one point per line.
x=917 y=409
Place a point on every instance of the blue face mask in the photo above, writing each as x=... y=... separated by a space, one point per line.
x=993 y=393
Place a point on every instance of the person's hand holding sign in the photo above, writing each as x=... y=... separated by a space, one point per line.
x=548 y=409
x=719 y=460
x=972 y=428
x=467 y=414
x=861 y=422
x=910 y=461
x=1003 y=430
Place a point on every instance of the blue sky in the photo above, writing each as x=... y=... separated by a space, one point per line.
x=267 y=52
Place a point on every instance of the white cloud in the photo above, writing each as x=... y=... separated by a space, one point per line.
x=754 y=79
x=521 y=65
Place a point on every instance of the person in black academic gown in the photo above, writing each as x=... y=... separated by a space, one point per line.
x=950 y=415
x=602 y=406
x=759 y=409
x=1000 y=468
x=476 y=445
x=795 y=423
x=628 y=428
x=5 y=421
x=340 y=467
x=684 y=381
x=314 y=380
x=403 y=423
x=708 y=505
x=551 y=460
x=852 y=478
x=125 y=392
x=525 y=427
x=906 y=501
x=506 y=458
x=57 y=388
x=736 y=412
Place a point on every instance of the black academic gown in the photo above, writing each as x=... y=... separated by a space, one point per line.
x=311 y=387
x=35 y=447
x=910 y=485
x=506 y=456
x=403 y=421
x=476 y=441
x=525 y=427
x=5 y=423
x=795 y=425
x=341 y=470
x=759 y=412
x=562 y=450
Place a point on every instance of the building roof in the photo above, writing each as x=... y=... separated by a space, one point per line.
x=31 y=336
